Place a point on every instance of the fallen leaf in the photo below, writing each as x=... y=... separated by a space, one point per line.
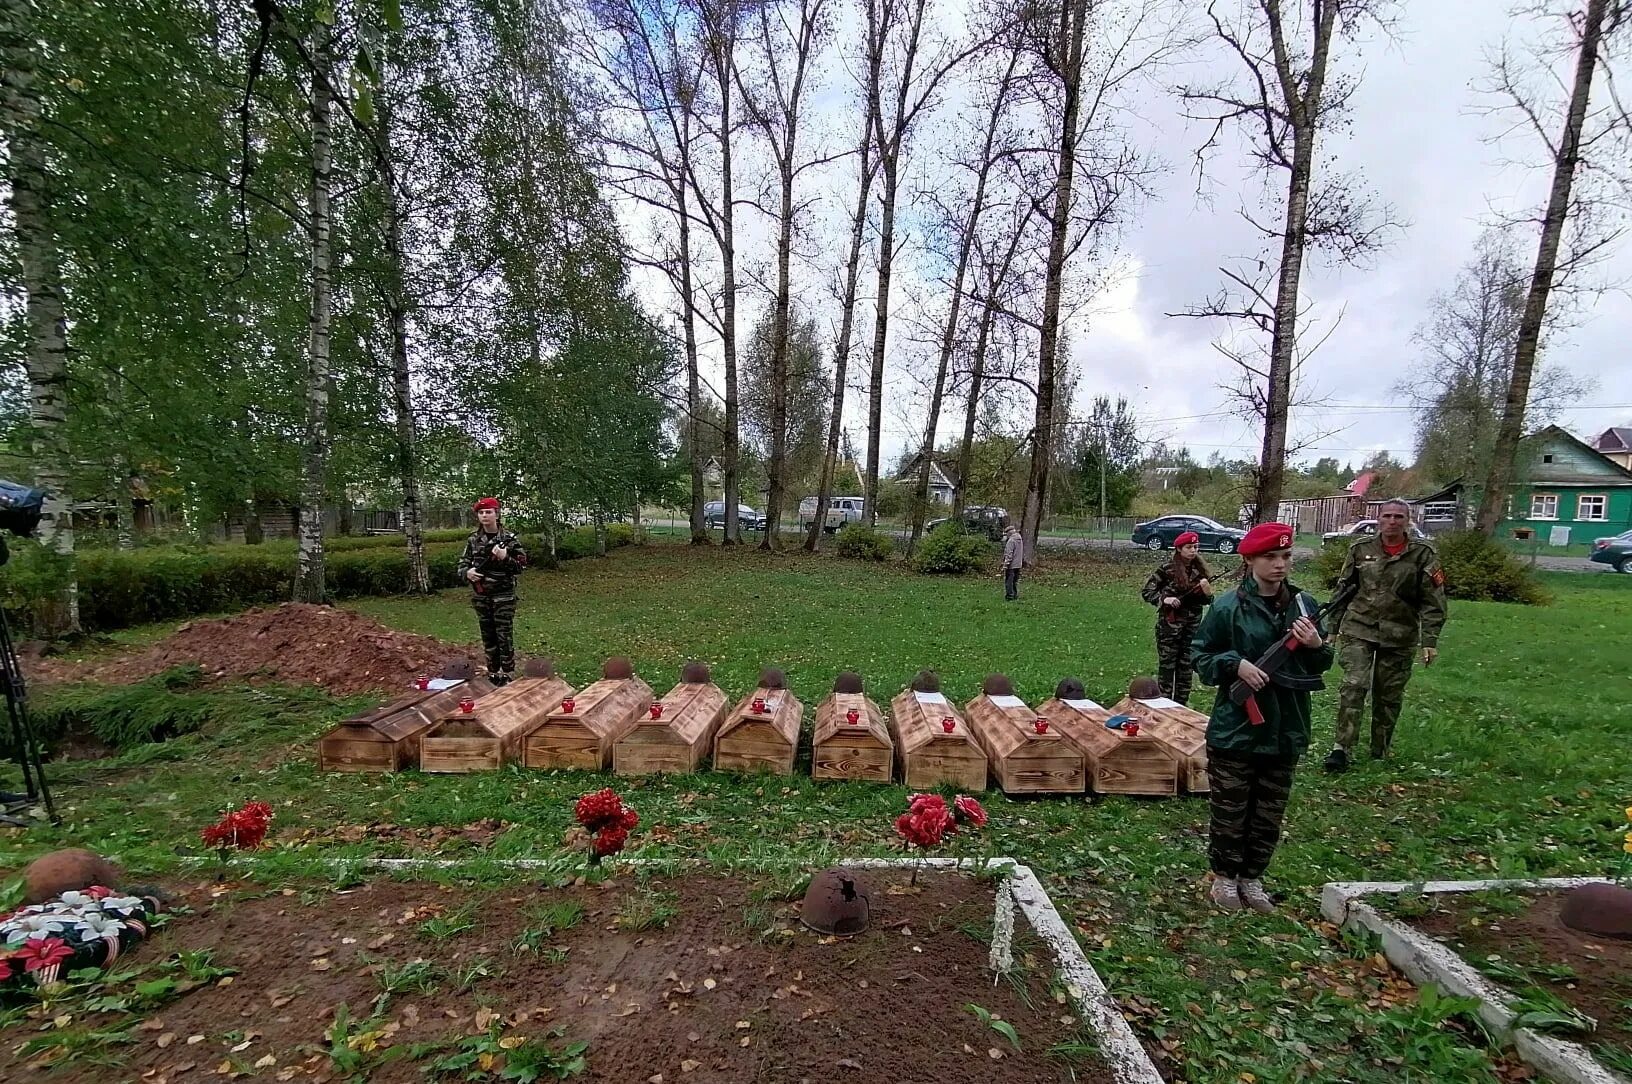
x=266 y=1062
x=690 y=1066
x=321 y=964
x=166 y=1039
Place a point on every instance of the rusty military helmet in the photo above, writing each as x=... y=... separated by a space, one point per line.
x=926 y=681
x=847 y=682
x=538 y=668
x=836 y=903
x=1144 y=688
x=997 y=685
x=772 y=678
x=695 y=673
x=1070 y=689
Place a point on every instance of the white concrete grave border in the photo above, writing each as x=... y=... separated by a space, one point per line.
x=1119 y=1048
x=1426 y=960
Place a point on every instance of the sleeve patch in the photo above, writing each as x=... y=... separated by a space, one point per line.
x=1438 y=576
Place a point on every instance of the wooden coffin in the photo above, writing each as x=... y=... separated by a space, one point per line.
x=1183 y=729
x=1024 y=760
x=602 y=714
x=842 y=749
x=676 y=732
x=1117 y=762
x=927 y=753
x=386 y=738
x=489 y=736
x=763 y=739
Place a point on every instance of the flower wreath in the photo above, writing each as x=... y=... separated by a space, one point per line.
x=87 y=928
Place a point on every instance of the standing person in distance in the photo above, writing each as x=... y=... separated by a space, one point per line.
x=1400 y=606
x=1180 y=590
x=1014 y=555
x=1250 y=766
x=492 y=560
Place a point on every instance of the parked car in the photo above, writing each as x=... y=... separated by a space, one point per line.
x=747 y=518
x=1356 y=531
x=1158 y=534
x=1615 y=552
x=840 y=510
x=982 y=519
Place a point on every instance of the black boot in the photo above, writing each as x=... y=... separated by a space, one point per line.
x=1337 y=761
x=499 y=678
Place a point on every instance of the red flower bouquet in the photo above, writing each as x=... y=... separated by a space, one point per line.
x=241 y=829
x=607 y=819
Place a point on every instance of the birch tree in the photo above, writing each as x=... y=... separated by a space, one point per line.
x=866 y=169
x=46 y=357
x=1596 y=142
x=309 y=580
x=1287 y=98
x=788 y=37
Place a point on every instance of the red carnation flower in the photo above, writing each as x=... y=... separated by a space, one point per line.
x=610 y=840
x=596 y=810
x=242 y=828
x=629 y=820
x=968 y=811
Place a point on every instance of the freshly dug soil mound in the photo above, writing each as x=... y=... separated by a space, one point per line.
x=295 y=644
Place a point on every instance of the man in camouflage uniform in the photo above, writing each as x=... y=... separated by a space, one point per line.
x=1399 y=608
x=492 y=559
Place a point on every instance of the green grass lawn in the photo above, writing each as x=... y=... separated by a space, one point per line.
x=1514 y=757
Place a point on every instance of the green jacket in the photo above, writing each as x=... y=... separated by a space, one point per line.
x=1242 y=625
x=1401 y=601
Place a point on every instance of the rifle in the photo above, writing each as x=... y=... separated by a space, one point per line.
x=1281 y=650
x=1171 y=613
x=503 y=538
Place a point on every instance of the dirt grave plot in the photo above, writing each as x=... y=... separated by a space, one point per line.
x=295 y=644
x=1516 y=940
x=691 y=978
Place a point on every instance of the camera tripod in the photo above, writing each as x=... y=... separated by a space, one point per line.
x=15 y=808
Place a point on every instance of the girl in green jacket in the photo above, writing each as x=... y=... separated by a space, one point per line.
x=1250 y=764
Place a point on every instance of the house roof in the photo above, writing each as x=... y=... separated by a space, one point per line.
x=1611 y=472
x=1362 y=483
x=1614 y=439
x=938 y=465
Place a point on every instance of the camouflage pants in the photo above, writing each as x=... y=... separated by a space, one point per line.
x=1248 y=803
x=1173 y=669
x=1380 y=671
x=497 y=617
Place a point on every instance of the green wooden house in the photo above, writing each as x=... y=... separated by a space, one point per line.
x=1563 y=482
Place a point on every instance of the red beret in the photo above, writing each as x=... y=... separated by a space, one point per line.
x=1188 y=538
x=487 y=502
x=1264 y=538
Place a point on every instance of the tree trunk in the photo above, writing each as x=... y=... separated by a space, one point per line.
x=1073 y=20
x=881 y=328
x=779 y=361
x=309 y=586
x=396 y=307
x=720 y=50
x=1284 y=340
x=254 y=533
x=841 y=350
x=1500 y=475
x=694 y=396
x=40 y=265
x=977 y=372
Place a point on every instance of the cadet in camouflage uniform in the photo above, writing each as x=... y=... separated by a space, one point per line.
x=1179 y=590
x=1400 y=607
x=1250 y=765
x=492 y=559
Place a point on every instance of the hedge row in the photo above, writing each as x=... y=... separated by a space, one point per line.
x=120 y=588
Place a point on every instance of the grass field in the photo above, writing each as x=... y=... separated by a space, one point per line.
x=1514 y=758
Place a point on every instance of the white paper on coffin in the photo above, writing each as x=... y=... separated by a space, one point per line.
x=1161 y=702
x=1007 y=701
x=929 y=698
x=436 y=685
x=1083 y=705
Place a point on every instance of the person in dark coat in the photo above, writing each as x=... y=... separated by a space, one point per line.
x=1180 y=590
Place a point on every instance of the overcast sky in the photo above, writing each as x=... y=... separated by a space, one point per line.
x=1417 y=134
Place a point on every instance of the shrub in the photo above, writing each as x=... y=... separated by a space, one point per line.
x=1483 y=570
x=1477 y=568
x=859 y=542
x=949 y=550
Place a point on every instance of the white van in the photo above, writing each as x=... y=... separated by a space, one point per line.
x=840 y=510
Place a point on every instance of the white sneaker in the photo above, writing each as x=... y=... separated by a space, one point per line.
x=1253 y=895
x=1225 y=895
